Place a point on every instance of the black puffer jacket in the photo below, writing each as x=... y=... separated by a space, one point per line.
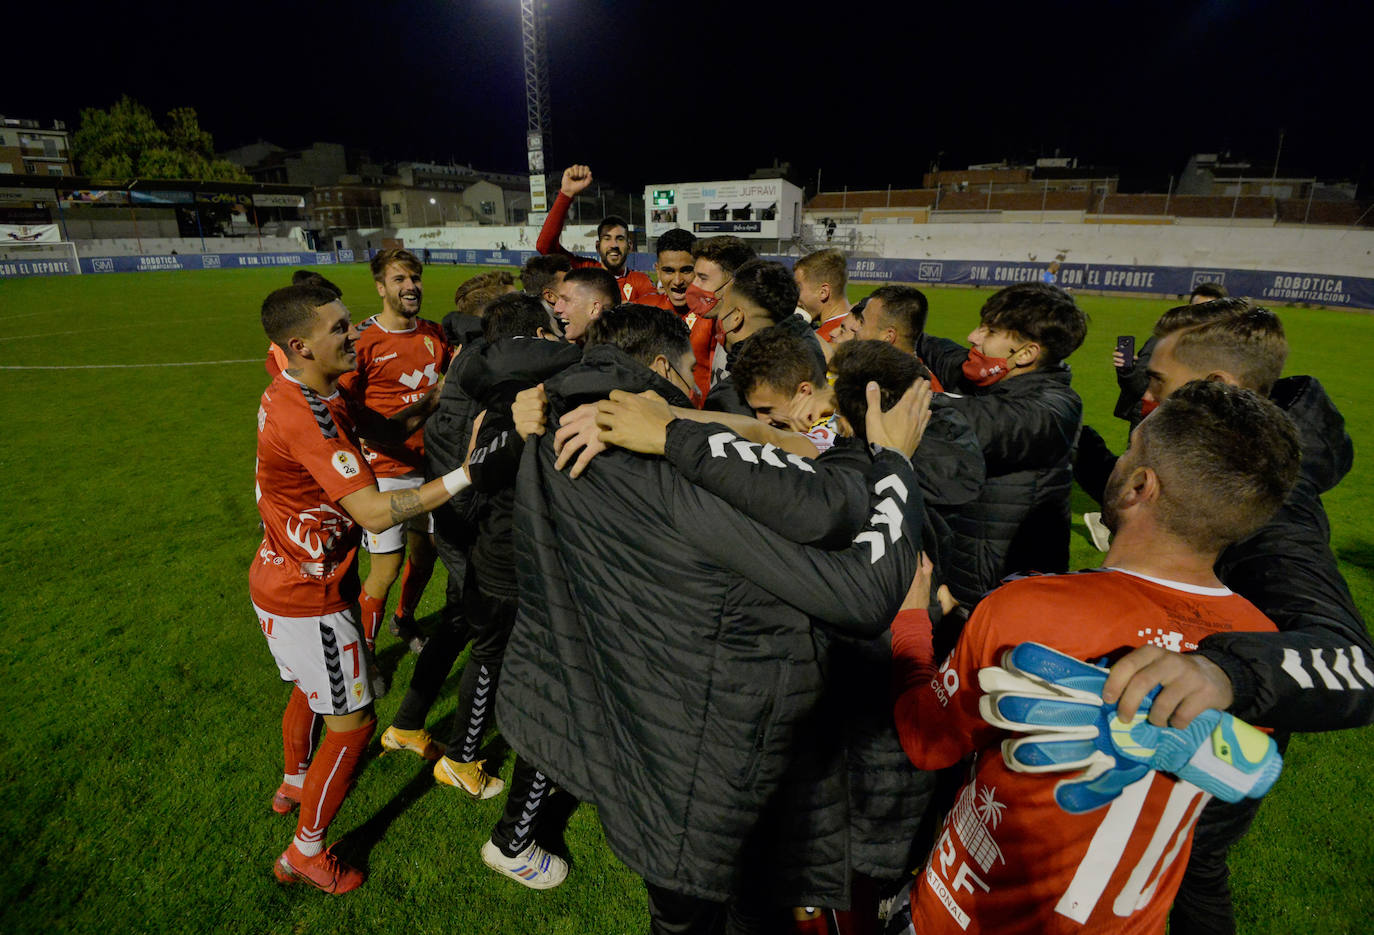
x=1027 y=426
x=491 y=375
x=664 y=666
x=887 y=795
x=725 y=397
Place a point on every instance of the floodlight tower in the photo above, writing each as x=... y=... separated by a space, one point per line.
x=533 y=28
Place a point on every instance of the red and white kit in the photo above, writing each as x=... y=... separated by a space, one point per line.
x=1009 y=859
x=304 y=578
x=395 y=369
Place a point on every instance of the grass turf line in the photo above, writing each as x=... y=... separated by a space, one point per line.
x=143 y=740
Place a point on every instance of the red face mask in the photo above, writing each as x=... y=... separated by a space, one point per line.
x=1147 y=406
x=982 y=370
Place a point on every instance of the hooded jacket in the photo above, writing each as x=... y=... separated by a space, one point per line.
x=664 y=665
x=1027 y=426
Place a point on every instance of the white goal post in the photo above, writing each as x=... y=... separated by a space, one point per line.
x=40 y=259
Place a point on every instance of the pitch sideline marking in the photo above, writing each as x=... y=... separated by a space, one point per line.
x=181 y=363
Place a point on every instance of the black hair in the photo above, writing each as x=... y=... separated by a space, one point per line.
x=1041 y=313
x=777 y=357
x=768 y=285
x=856 y=364
x=289 y=312
x=676 y=239
x=308 y=277
x=599 y=281
x=541 y=269
x=643 y=332
x=906 y=307
x=513 y=314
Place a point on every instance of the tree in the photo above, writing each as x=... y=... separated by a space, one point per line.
x=125 y=142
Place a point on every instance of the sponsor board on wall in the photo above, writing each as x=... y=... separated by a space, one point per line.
x=12 y=196
x=161 y=198
x=279 y=201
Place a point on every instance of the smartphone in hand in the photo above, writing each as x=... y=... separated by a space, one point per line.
x=1125 y=348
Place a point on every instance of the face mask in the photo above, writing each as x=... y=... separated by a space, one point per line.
x=982 y=370
x=1147 y=406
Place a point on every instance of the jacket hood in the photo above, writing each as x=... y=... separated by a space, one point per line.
x=1327 y=452
x=606 y=367
x=461 y=329
x=483 y=369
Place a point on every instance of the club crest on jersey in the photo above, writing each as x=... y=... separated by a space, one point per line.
x=691 y=319
x=429 y=345
x=628 y=289
x=357 y=691
x=345 y=463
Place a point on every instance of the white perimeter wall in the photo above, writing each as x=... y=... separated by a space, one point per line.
x=1340 y=251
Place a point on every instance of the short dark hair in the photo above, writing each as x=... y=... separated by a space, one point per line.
x=904 y=309
x=599 y=281
x=643 y=332
x=1226 y=458
x=676 y=239
x=612 y=221
x=542 y=269
x=1186 y=316
x=1213 y=290
x=726 y=251
x=856 y=364
x=1042 y=313
x=511 y=315
x=778 y=358
x=1250 y=344
x=498 y=279
x=388 y=255
x=289 y=312
x=768 y=285
x=308 y=277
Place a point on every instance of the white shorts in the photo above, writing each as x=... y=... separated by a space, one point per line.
x=323 y=656
x=394 y=539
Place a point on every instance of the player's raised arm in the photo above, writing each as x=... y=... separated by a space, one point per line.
x=576 y=179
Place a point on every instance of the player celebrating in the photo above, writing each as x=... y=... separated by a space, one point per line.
x=1102 y=850
x=314 y=491
x=400 y=357
x=613 y=240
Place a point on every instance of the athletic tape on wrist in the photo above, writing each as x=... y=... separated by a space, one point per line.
x=456 y=481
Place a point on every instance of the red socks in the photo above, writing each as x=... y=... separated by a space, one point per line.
x=412 y=589
x=297 y=734
x=371 y=609
x=327 y=782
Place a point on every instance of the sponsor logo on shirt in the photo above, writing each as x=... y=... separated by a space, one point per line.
x=346 y=464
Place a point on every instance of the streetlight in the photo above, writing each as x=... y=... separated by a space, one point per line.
x=442 y=222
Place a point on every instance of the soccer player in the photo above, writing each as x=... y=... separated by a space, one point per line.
x=1025 y=852
x=276 y=357
x=821 y=278
x=676 y=270
x=540 y=277
x=1132 y=376
x=1286 y=568
x=315 y=493
x=1014 y=389
x=400 y=357
x=614 y=244
x=584 y=294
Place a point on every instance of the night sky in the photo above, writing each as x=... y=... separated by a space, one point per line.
x=680 y=92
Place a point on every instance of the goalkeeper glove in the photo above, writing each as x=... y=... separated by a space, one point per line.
x=1056 y=701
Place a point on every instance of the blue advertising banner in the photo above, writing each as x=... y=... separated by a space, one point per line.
x=1275 y=287
x=46 y=266
x=1278 y=288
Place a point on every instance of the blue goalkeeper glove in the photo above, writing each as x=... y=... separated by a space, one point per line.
x=1056 y=702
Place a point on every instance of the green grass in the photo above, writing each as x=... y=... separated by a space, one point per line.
x=142 y=739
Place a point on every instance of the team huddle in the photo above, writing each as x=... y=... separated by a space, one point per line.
x=780 y=585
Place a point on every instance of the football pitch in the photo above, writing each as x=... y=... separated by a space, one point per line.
x=142 y=744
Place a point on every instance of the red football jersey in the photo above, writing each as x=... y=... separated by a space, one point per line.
x=1008 y=858
x=308 y=460
x=827 y=328
x=395 y=369
x=634 y=285
x=703 y=330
